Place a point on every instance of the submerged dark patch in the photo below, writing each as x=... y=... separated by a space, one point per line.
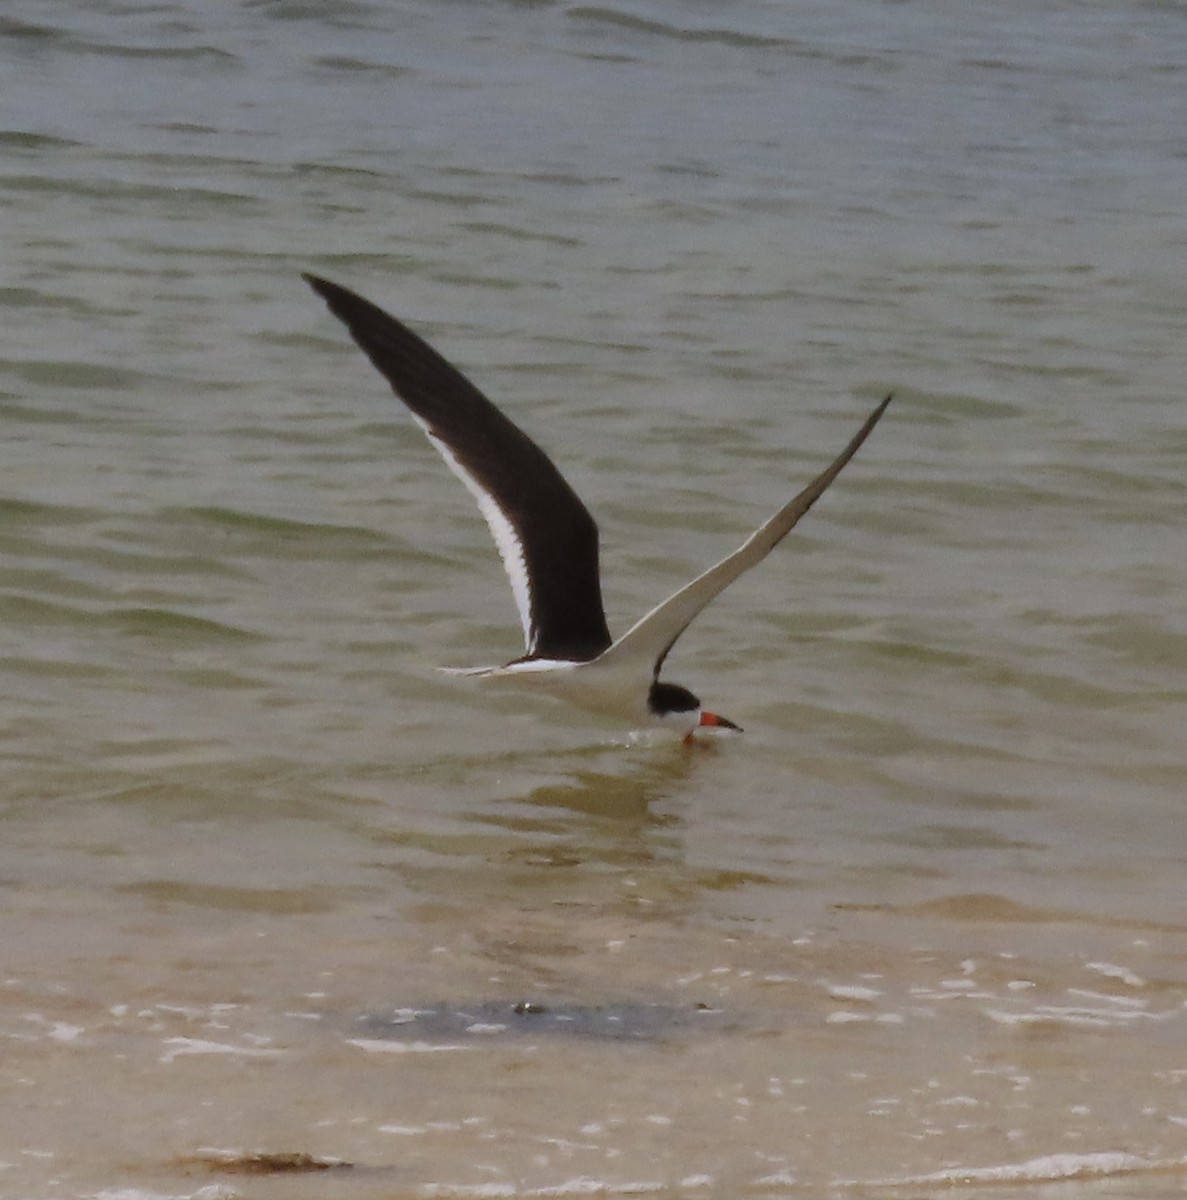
x=529 y=1018
x=283 y=1163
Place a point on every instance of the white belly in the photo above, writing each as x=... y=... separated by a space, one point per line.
x=612 y=691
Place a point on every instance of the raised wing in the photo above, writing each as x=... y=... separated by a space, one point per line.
x=544 y=534
x=651 y=638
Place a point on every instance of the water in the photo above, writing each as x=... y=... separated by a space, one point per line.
x=269 y=884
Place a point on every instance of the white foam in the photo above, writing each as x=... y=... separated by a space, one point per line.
x=1076 y=1015
x=211 y=1191
x=1112 y=971
x=1132 y=1002
x=388 y=1046
x=1046 y=1169
x=779 y=1179
x=853 y=992
x=579 y=1186
x=185 y=1046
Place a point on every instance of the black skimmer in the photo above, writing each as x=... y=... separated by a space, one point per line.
x=548 y=541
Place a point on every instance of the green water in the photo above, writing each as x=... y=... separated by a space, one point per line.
x=936 y=888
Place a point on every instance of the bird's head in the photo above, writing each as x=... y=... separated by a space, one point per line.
x=676 y=707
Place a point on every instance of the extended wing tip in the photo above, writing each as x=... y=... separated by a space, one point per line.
x=858 y=438
x=349 y=307
x=323 y=287
x=882 y=406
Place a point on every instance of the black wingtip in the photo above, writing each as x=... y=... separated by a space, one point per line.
x=323 y=287
x=367 y=322
x=868 y=426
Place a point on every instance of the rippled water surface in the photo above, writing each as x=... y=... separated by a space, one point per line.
x=271 y=885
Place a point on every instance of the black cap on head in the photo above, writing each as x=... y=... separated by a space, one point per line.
x=665 y=698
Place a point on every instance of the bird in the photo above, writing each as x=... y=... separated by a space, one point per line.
x=548 y=541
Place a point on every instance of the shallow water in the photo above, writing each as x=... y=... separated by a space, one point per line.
x=270 y=884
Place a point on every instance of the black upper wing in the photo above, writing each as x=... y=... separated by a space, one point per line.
x=548 y=540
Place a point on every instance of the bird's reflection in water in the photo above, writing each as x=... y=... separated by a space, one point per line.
x=585 y=851
x=611 y=813
x=580 y=846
